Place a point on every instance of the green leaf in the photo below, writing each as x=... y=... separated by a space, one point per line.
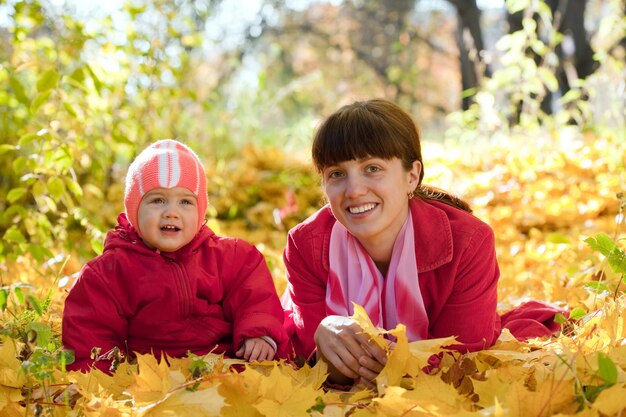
x=96 y=81
x=4 y=148
x=40 y=253
x=69 y=108
x=14 y=235
x=74 y=187
x=599 y=288
x=578 y=313
x=4 y=295
x=617 y=260
x=607 y=369
x=560 y=318
x=15 y=194
x=47 y=81
x=601 y=243
x=607 y=247
x=19 y=91
x=97 y=246
x=39 y=101
x=558 y=238
x=27 y=138
x=19 y=294
x=36 y=305
x=56 y=187
x=548 y=78
x=43 y=331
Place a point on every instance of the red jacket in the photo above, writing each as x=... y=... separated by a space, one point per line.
x=207 y=296
x=456 y=263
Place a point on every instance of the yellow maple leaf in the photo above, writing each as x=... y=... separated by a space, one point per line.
x=394 y=403
x=281 y=397
x=611 y=401
x=421 y=350
x=551 y=397
x=10 y=367
x=241 y=391
x=399 y=362
x=154 y=380
x=362 y=319
x=97 y=382
x=429 y=396
x=9 y=402
x=183 y=403
x=307 y=375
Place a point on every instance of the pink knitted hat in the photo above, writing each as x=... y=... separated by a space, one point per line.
x=164 y=164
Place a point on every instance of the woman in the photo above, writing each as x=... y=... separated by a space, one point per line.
x=405 y=252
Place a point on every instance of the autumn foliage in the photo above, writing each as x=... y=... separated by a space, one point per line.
x=78 y=98
x=557 y=212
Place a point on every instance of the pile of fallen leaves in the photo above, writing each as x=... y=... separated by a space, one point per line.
x=543 y=202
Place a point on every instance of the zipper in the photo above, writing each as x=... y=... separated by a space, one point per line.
x=183 y=285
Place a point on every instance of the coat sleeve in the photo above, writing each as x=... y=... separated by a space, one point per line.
x=470 y=311
x=92 y=318
x=250 y=298
x=305 y=299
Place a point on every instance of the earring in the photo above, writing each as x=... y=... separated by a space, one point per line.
x=411 y=195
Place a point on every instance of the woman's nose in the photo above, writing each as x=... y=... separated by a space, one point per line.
x=355 y=186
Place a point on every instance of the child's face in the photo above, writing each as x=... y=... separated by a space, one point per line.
x=168 y=218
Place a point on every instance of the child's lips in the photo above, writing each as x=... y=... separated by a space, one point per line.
x=170 y=228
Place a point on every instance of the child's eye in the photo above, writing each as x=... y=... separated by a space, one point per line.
x=158 y=200
x=185 y=201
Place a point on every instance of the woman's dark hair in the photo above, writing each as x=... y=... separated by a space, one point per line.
x=374 y=128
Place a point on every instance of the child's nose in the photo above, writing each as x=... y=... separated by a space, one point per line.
x=170 y=211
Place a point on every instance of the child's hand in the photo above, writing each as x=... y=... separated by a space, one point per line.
x=256 y=349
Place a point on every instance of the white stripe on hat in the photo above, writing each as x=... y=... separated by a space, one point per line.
x=169 y=169
x=197 y=165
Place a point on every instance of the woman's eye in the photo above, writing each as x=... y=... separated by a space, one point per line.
x=335 y=174
x=373 y=168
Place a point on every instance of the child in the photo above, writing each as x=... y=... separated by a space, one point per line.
x=165 y=283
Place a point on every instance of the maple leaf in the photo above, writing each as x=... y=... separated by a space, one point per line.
x=429 y=396
x=550 y=397
x=307 y=375
x=399 y=362
x=9 y=402
x=611 y=401
x=10 y=367
x=183 y=403
x=241 y=391
x=154 y=380
x=282 y=398
x=376 y=334
x=421 y=350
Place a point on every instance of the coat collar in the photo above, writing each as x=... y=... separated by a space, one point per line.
x=433 y=235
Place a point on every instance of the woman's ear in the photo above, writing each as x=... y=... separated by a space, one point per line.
x=414 y=175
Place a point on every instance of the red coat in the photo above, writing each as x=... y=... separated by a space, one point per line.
x=207 y=296
x=457 y=269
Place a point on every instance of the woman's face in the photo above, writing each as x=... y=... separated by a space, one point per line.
x=369 y=197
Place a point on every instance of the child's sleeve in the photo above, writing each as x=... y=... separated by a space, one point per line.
x=251 y=300
x=92 y=318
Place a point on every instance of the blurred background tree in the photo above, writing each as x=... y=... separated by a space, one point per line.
x=84 y=87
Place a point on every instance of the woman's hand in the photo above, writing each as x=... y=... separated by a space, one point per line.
x=349 y=352
x=256 y=349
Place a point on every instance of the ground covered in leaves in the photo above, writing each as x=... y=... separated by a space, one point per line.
x=557 y=212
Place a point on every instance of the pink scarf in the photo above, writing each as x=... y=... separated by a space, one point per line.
x=388 y=300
